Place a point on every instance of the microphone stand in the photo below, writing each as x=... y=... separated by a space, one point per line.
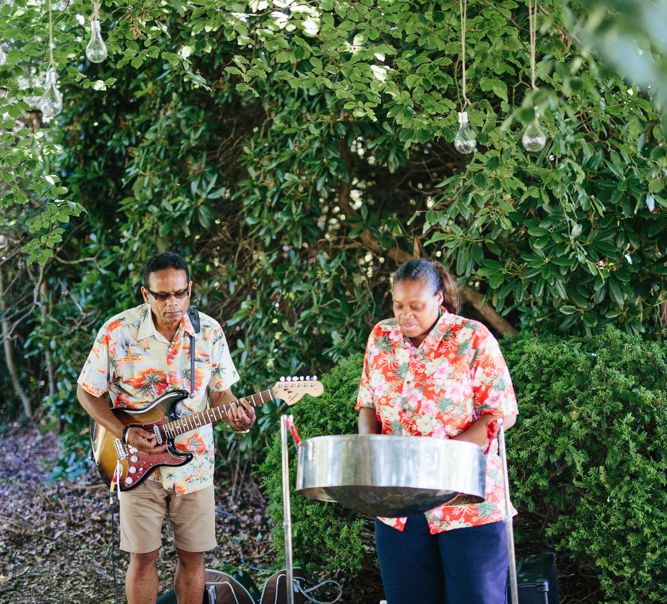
x=287 y=513
x=514 y=589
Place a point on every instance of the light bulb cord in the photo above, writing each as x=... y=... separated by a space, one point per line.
x=51 y=62
x=532 y=23
x=463 y=4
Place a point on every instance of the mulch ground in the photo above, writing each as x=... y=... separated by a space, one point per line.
x=57 y=543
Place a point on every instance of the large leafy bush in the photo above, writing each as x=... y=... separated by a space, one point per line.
x=589 y=455
x=588 y=464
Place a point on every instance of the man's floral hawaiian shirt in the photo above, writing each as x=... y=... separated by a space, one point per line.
x=136 y=364
x=438 y=390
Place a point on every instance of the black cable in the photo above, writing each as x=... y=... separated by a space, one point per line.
x=113 y=548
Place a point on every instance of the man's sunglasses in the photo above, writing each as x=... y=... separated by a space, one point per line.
x=164 y=296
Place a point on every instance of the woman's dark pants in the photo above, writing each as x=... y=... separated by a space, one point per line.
x=462 y=566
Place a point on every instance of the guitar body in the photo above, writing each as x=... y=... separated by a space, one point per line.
x=133 y=465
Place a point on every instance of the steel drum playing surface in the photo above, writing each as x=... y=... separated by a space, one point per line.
x=381 y=475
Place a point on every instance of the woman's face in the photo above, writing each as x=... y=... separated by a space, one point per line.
x=416 y=308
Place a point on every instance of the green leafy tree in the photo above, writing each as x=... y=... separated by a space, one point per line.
x=296 y=154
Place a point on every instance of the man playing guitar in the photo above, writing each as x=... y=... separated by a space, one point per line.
x=139 y=355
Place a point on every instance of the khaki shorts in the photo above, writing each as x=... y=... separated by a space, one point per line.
x=142 y=510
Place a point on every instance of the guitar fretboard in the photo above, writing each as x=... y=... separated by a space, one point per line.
x=212 y=415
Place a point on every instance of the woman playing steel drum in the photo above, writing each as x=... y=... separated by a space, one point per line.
x=430 y=372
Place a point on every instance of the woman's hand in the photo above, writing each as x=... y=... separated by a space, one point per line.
x=368 y=421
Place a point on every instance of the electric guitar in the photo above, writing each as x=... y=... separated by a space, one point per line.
x=128 y=467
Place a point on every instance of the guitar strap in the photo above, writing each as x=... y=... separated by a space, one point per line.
x=193 y=315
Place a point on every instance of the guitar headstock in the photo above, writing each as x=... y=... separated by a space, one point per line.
x=293 y=389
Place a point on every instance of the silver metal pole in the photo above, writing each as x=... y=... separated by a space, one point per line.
x=514 y=588
x=287 y=513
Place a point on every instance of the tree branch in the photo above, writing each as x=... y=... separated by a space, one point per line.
x=468 y=295
x=9 y=352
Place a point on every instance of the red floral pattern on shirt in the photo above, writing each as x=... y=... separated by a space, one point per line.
x=438 y=390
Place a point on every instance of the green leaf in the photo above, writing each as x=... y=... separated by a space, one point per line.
x=616 y=292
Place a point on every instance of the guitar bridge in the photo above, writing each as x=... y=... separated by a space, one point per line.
x=158 y=436
x=121 y=451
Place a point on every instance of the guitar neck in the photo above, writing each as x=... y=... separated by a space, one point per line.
x=214 y=414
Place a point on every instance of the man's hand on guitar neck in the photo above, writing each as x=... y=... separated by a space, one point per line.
x=240 y=414
x=145 y=441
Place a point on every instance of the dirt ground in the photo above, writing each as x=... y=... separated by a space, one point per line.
x=56 y=539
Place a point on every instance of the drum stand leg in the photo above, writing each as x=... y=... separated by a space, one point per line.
x=287 y=513
x=514 y=589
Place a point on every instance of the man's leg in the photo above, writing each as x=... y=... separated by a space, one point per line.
x=141 y=512
x=190 y=577
x=141 y=580
x=192 y=518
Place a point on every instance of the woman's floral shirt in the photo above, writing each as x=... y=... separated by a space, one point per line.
x=438 y=390
x=136 y=364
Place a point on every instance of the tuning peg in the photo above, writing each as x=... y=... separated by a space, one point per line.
x=314 y=377
x=301 y=378
x=282 y=378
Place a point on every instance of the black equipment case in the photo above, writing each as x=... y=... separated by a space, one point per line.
x=536 y=579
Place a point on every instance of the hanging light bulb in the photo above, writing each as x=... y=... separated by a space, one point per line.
x=465 y=137
x=96 y=51
x=534 y=139
x=3 y=56
x=465 y=141
x=51 y=102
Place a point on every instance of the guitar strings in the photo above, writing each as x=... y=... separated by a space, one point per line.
x=188 y=422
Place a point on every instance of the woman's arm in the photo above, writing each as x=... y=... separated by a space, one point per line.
x=368 y=422
x=476 y=433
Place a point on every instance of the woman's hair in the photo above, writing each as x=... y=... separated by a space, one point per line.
x=436 y=275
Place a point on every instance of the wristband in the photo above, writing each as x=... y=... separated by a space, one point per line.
x=123 y=437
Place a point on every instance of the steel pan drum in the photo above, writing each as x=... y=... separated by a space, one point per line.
x=391 y=476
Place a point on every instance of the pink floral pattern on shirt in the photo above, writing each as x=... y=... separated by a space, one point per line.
x=135 y=364
x=438 y=390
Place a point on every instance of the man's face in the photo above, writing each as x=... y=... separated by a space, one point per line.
x=168 y=295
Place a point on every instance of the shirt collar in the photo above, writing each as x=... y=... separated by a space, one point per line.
x=147 y=328
x=439 y=330
x=186 y=324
